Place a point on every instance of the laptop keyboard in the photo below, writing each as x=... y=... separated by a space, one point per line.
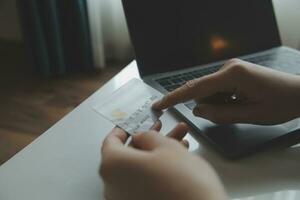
x=173 y=82
x=287 y=61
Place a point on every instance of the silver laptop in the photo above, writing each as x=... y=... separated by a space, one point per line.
x=176 y=41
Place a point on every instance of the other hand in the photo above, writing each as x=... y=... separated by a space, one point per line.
x=156 y=167
x=263 y=95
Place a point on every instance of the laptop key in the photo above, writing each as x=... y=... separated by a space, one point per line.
x=164 y=82
x=173 y=82
x=176 y=81
x=185 y=78
x=163 y=79
x=190 y=77
x=169 y=88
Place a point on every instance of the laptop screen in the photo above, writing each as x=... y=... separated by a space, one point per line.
x=173 y=34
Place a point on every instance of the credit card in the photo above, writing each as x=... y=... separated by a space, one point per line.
x=129 y=107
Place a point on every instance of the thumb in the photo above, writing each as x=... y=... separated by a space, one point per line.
x=226 y=113
x=148 y=141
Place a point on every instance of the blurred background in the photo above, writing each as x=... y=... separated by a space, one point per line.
x=54 y=54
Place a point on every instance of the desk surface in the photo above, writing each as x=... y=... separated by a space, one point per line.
x=63 y=162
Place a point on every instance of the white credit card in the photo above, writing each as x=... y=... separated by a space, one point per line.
x=129 y=107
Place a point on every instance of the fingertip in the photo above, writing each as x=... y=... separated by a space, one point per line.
x=119 y=133
x=157 y=126
x=163 y=103
x=179 y=132
x=185 y=143
x=116 y=130
x=117 y=137
x=184 y=126
x=157 y=105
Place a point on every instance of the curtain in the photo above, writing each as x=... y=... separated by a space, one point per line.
x=9 y=26
x=109 y=33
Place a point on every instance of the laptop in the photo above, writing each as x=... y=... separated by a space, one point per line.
x=176 y=41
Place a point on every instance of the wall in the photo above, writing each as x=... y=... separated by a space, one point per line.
x=287 y=12
x=288 y=16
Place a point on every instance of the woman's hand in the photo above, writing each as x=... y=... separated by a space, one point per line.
x=261 y=95
x=155 y=167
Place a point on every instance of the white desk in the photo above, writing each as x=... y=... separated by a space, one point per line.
x=62 y=164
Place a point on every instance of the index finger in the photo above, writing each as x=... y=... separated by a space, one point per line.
x=197 y=88
x=116 y=138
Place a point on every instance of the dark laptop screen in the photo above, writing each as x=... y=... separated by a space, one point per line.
x=175 y=34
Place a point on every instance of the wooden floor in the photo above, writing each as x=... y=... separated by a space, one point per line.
x=30 y=105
